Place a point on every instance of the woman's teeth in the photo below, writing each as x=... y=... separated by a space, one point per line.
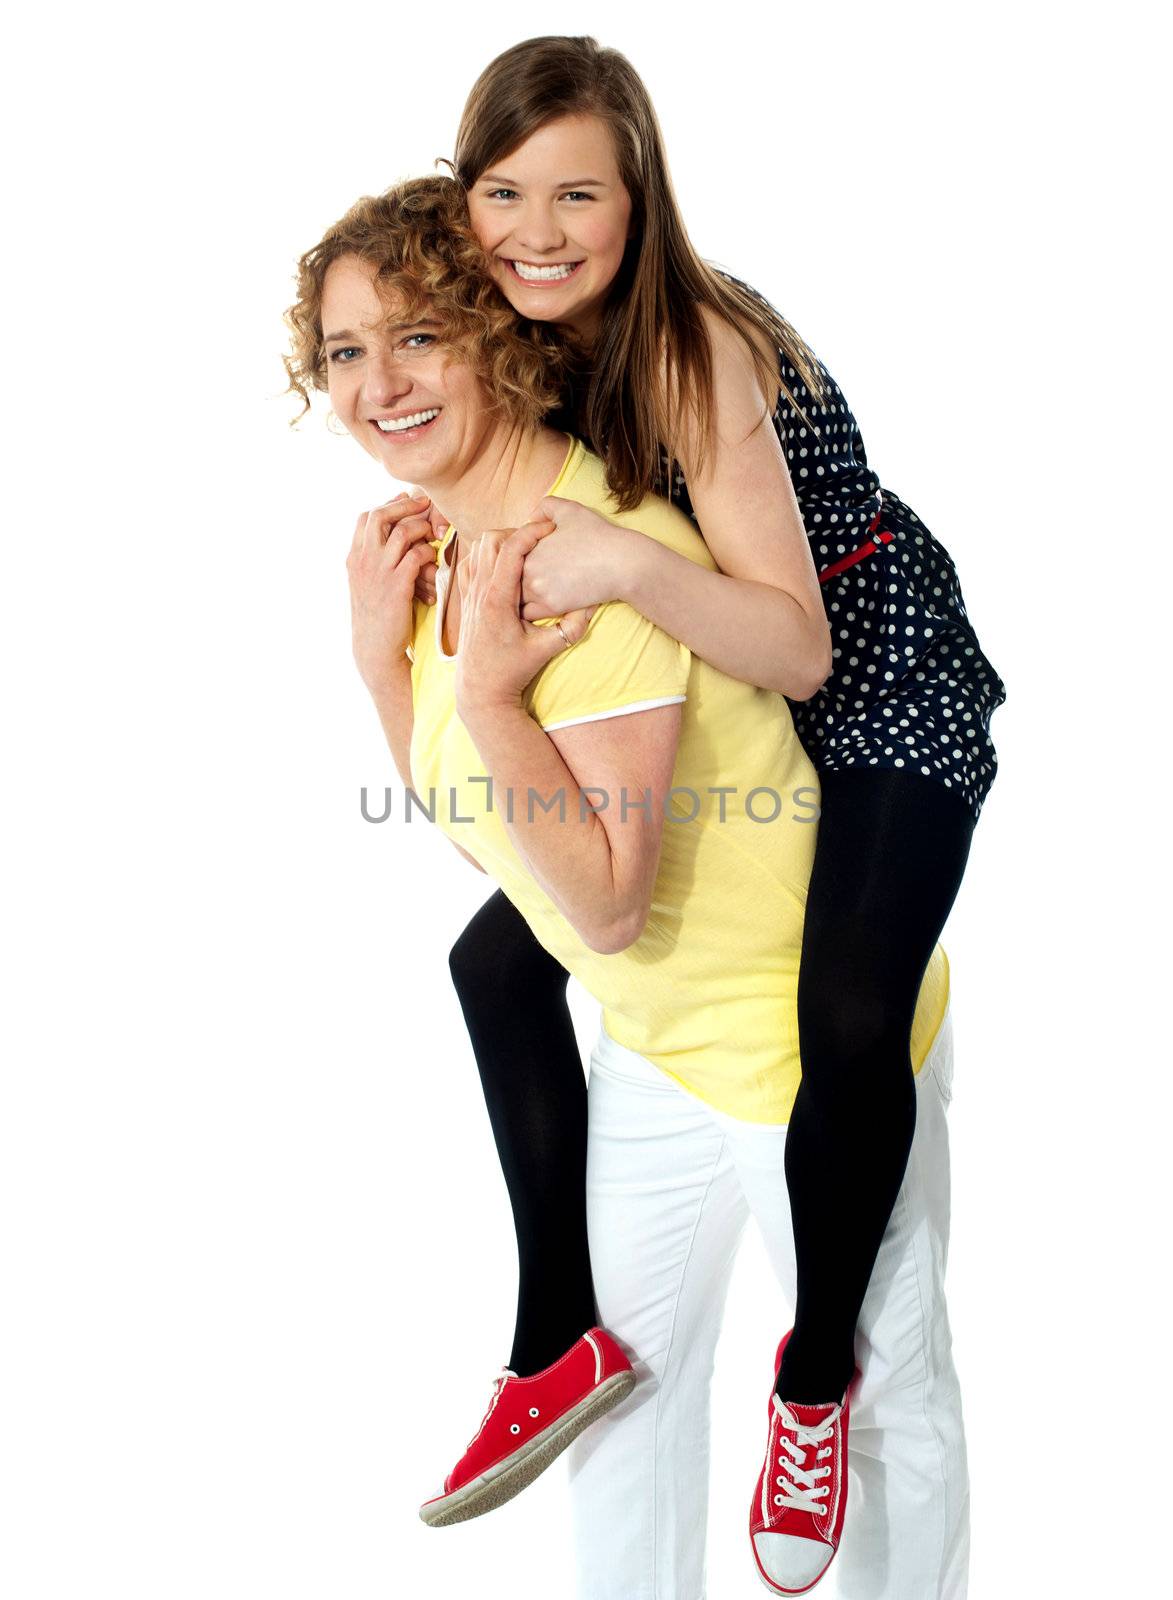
x=399 y=424
x=543 y=274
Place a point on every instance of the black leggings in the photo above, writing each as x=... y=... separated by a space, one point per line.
x=890 y=855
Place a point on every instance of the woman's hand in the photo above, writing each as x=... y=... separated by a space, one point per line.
x=499 y=653
x=389 y=551
x=425 y=583
x=584 y=566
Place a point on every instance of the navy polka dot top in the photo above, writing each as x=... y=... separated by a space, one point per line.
x=910 y=686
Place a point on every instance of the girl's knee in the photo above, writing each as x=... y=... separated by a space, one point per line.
x=860 y=1039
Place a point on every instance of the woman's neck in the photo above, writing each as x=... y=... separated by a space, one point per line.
x=510 y=471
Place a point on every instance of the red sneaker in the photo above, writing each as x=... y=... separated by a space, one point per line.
x=529 y=1422
x=796 y=1518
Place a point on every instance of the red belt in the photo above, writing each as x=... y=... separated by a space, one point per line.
x=868 y=549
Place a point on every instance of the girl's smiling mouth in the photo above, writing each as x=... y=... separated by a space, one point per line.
x=531 y=272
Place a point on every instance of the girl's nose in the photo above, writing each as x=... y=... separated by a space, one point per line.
x=540 y=230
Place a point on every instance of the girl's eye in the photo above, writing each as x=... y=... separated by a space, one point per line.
x=343 y=353
x=502 y=194
x=577 y=194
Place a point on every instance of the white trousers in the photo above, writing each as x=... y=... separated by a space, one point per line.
x=670 y=1184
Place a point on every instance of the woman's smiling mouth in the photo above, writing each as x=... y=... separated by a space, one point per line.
x=408 y=426
x=529 y=272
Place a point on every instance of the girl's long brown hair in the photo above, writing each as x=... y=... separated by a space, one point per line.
x=652 y=361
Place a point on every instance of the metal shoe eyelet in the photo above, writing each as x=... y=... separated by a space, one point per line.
x=777 y=1499
x=533 y=1411
x=514 y=1427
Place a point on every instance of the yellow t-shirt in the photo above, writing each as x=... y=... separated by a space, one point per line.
x=708 y=991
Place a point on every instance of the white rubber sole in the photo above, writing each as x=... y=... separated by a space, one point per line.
x=510 y=1477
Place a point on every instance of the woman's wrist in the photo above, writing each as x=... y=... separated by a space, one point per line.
x=388 y=682
x=487 y=709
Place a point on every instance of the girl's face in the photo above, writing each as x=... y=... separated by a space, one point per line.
x=554 y=217
x=399 y=391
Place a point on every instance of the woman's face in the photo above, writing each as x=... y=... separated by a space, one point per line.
x=401 y=393
x=555 y=218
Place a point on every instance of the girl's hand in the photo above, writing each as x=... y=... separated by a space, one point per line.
x=499 y=652
x=584 y=566
x=389 y=550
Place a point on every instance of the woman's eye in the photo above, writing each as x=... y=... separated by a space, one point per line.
x=502 y=194
x=412 y=340
x=341 y=355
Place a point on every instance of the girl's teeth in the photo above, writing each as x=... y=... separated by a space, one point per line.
x=398 y=424
x=534 y=274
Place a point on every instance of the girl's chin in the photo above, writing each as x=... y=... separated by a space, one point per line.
x=573 y=314
x=543 y=302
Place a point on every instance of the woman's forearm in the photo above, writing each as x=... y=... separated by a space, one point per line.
x=751 y=631
x=392 y=697
x=562 y=841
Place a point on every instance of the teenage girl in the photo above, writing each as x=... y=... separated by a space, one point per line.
x=694 y=387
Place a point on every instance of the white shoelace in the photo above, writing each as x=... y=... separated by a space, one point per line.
x=498 y=1386
x=799 y=1489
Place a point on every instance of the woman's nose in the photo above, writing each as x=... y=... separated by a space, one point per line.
x=385 y=381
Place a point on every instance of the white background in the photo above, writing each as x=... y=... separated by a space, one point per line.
x=257 y=1257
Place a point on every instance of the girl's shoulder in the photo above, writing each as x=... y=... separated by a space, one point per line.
x=818 y=433
x=796 y=408
x=786 y=371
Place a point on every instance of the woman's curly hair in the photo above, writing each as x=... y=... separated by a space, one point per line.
x=429 y=263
